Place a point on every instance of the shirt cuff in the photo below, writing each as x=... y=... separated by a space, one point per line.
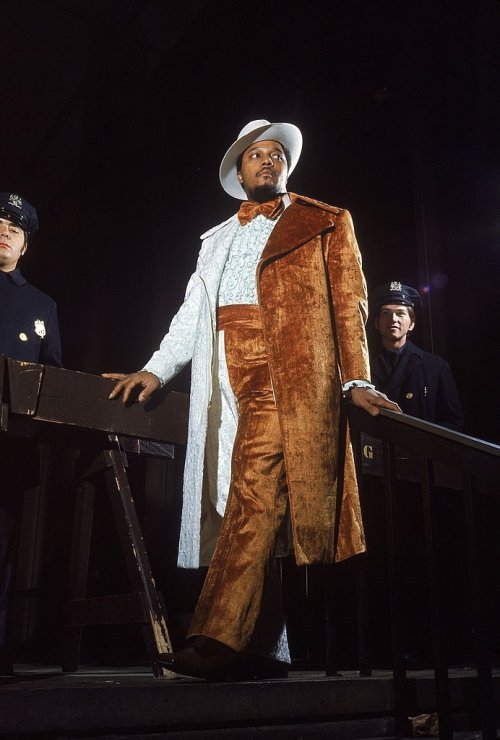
x=145 y=369
x=356 y=384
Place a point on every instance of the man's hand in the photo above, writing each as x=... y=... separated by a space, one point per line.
x=372 y=401
x=126 y=384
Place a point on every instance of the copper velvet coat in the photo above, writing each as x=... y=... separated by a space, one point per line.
x=312 y=296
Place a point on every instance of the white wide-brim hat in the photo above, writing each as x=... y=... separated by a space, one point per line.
x=287 y=134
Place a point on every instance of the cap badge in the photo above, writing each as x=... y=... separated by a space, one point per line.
x=395 y=286
x=40 y=328
x=15 y=200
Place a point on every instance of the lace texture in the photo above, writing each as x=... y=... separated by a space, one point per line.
x=238 y=283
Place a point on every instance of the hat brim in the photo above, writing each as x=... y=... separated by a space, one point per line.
x=15 y=218
x=394 y=300
x=288 y=136
x=408 y=297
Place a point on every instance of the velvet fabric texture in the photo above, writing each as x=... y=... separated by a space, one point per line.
x=231 y=598
x=312 y=298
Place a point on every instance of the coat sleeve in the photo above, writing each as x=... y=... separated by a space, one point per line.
x=176 y=348
x=349 y=298
x=449 y=411
x=50 y=347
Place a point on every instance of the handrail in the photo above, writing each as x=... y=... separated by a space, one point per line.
x=478 y=463
x=477 y=456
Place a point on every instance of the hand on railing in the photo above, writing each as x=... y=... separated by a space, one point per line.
x=126 y=384
x=372 y=401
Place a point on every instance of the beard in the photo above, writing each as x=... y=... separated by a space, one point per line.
x=265 y=192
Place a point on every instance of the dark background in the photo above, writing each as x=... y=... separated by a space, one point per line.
x=115 y=115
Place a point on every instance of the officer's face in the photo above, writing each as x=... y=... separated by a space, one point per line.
x=393 y=323
x=264 y=171
x=12 y=244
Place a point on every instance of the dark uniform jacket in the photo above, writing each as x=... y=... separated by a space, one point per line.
x=29 y=329
x=422 y=384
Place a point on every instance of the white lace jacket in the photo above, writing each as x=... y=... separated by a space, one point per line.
x=191 y=336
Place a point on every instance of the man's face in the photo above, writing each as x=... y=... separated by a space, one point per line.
x=393 y=323
x=264 y=171
x=12 y=244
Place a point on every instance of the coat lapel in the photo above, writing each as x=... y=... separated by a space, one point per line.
x=301 y=221
x=410 y=360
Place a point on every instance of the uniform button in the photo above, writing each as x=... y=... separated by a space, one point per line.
x=23 y=337
x=409 y=396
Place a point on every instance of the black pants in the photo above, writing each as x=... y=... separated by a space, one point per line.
x=19 y=470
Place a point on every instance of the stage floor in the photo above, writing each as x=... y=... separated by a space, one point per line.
x=128 y=702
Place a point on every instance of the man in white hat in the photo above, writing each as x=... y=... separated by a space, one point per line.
x=274 y=323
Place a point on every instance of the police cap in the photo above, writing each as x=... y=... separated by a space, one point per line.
x=19 y=211
x=396 y=293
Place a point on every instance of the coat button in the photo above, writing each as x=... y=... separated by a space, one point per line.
x=23 y=337
x=409 y=395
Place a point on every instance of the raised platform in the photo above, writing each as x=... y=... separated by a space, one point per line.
x=130 y=703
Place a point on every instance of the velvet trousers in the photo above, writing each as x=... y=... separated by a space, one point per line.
x=242 y=563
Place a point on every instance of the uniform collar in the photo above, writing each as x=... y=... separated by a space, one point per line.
x=15 y=276
x=398 y=352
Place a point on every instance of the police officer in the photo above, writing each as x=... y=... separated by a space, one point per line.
x=29 y=331
x=420 y=382
x=29 y=328
x=423 y=385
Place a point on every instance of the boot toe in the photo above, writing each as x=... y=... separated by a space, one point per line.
x=210 y=660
